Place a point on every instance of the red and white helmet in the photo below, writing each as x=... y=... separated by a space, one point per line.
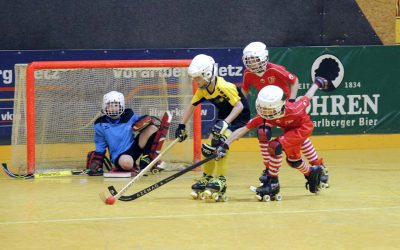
x=255 y=57
x=270 y=103
x=113 y=104
x=203 y=66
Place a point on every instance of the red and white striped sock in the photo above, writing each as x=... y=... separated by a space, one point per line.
x=275 y=162
x=264 y=153
x=308 y=150
x=304 y=168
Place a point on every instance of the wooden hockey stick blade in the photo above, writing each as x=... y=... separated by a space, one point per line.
x=160 y=183
x=144 y=171
x=41 y=175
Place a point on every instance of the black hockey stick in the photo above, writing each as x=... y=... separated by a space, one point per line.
x=16 y=176
x=147 y=190
x=39 y=175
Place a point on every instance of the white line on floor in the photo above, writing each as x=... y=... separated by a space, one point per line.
x=177 y=216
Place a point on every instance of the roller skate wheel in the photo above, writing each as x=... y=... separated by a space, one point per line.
x=324 y=185
x=253 y=189
x=194 y=195
x=215 y=196
x=266 y=197
x=155 y=171
x=278 y=197
x=224 y=198
x=258 y=197
x=207 y=194
x=202 y=196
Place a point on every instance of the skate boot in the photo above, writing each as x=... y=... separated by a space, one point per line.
x=264 y=177
x=324 y=177
x=215 y=190
x=314 y=179
x=269 y=190
x=145 y=160
x=199 y=187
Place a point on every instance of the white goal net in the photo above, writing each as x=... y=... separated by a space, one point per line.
x=56 y=104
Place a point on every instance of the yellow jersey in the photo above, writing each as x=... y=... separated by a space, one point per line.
x=224 y=97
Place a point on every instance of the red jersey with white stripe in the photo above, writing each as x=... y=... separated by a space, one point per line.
x=295 y=116
x=274 y=75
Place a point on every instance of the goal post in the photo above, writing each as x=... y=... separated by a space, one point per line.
x=54 y=120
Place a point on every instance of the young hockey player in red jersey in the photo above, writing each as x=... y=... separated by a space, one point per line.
x=259 y=73
x=274 y=109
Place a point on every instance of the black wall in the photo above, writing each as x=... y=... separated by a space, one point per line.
x=141 y=24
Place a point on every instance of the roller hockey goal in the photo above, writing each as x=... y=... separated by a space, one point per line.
x=57 y=102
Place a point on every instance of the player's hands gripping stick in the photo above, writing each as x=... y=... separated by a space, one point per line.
x=222 y=151
x=219 y=128
x=181 y=132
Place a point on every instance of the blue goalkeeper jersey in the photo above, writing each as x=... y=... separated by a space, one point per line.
x=114 y=134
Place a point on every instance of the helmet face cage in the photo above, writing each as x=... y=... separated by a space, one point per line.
x=113 y=104
x=271 y=112
x=270 y=103
x=255 y=57
x=255 y=64
x=203 y=66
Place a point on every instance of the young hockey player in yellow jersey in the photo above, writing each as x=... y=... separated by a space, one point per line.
x=233 y=113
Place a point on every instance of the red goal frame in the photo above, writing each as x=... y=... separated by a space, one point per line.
x=30 y=95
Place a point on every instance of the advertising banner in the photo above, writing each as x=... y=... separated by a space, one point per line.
x=365 y=100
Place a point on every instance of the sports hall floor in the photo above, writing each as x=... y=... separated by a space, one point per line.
x=361 y=210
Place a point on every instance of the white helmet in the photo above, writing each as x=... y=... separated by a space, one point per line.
x=270 y=102
x=113 y=104
x=255 y=57
x=203 y=66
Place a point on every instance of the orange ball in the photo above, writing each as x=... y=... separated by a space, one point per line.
x=110 y=200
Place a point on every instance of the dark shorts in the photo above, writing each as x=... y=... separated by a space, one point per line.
x=239 y=122
x=135 y=151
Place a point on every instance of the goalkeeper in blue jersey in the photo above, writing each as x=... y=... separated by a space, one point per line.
x=116 y=130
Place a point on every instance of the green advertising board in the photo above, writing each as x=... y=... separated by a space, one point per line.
x=367 y=96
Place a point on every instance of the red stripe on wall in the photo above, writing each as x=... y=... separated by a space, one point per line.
x=6 y=89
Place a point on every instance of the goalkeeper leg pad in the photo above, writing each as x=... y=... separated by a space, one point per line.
x=94 y=163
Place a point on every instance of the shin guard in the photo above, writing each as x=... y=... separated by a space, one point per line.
x=160 y=136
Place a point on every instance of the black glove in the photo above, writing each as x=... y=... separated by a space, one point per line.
x=181 y=132
x=324 y=84
x=222 y=151
x=321 y=82
x=219 y=128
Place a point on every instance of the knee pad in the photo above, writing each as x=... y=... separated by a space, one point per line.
x=275 y=148
x=264 y=133
x=207 y=150
x=294 y=163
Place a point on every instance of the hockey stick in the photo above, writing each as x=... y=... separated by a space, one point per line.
x=160 y=183
x=40 y=175
x=111 y=199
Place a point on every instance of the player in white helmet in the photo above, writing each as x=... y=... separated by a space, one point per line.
x=233 y=112
x=273 y=108
x=259 y=73
x=115 y=131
